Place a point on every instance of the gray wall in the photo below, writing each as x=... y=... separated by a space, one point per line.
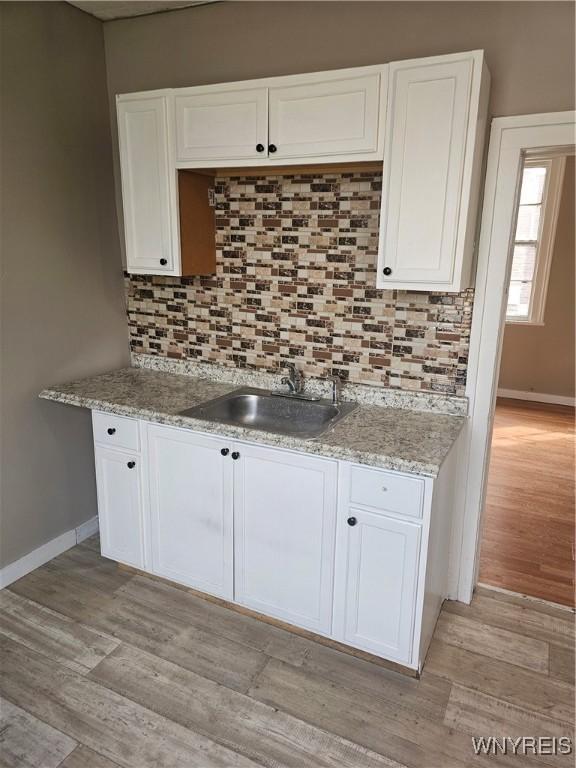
x=529 y=45
x=62 y=307
x=541 y=358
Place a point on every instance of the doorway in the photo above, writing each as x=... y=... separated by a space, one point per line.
x=513 y=142
x=528 y=534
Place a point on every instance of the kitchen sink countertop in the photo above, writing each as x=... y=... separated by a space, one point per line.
x=379 y=436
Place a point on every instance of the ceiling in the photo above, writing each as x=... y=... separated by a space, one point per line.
x=122 y=9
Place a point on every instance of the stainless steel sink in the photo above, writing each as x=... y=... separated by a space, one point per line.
x=269 y=412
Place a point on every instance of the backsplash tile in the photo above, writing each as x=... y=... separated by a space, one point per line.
x=296 y=270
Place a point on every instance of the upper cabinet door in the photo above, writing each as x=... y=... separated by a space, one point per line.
x=325 y=117
x=218 y=124
x=147 y=176
x=284 y=529
x=432 y=157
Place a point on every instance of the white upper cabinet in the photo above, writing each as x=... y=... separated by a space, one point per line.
x=221 y=123
x=325 y=116
x=433 y=148
x=321 y=117
x=284 y=528
x=424 y=118
x=148 y=184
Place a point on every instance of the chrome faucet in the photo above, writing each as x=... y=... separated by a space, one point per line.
x=295 y=379
x=336 y=389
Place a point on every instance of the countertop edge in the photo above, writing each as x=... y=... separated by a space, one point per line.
x=379 y=461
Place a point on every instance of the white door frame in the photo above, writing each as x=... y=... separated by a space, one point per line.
x=510 y=139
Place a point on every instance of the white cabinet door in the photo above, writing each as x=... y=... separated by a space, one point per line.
x=377 y=565
x=191 y=509
x=120 y=513
x=325 y=117
x=284 y=507
x=429 y=147
x=226 y=123
x=147 y=180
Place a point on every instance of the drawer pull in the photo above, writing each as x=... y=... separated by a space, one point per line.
x=235 y=455
x=351 y=521
x=131 y=464
x=225 y=451
x=384 y=488
x=111 y=431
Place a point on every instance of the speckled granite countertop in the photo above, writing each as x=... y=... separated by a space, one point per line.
x=390 y=438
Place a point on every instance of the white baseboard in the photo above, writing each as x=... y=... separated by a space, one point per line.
x=537 y=397
x=46 y=552
x=87 y=529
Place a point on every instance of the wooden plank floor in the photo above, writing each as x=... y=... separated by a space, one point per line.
x=528 y=534
x=104 y=668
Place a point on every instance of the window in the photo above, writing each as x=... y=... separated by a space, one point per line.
x=534 y=240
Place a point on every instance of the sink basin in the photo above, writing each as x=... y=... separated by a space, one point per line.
x=268 y=412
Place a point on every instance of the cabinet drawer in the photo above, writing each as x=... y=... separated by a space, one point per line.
x=115 y=431
x=386 y=491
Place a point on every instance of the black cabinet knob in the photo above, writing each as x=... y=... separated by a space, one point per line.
x=131 y=464
x=235 y=455
x=163 y=262
x=225 y=451
x=111 y=431
x=272 y=147
x=387 y=271
x=260 y=147
x=351 y=521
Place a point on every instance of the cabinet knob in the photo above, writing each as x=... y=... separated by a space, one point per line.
x=272 y=147
x=131 y=464
x=111 y=431
x=260 y=147
x=225 y=451
x=163 y=262
x=235 y=455
x=387 y=271
x=351 y=521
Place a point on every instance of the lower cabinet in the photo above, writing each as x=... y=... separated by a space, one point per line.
x=377 y=559
x=342 y=550
x=285 y=520
x=190 y=481
x=120 y=508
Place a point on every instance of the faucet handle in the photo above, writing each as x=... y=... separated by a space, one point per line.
x=296 y=378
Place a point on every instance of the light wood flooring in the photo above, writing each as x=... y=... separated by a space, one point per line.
x=104 y=668
x=528 y=534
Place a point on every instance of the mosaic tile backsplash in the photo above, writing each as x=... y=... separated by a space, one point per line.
x=296 y=270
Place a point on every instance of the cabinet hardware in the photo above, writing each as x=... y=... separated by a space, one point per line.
x=384 y=488
x=272 y=147
x=387 y=271
x=111 y=431
x=163 y=262
x=351 y=521
x=131 y=464
x=235 y=455
x=260 y=147
x=225 y=451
